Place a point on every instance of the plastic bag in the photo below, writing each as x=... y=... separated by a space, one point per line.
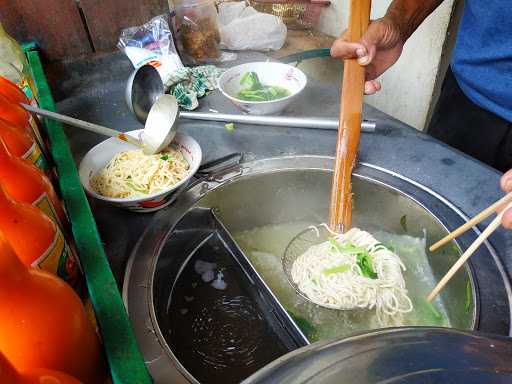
x=244 y=28
x=152 y=44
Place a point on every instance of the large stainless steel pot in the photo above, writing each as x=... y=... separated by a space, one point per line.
x=288 y=189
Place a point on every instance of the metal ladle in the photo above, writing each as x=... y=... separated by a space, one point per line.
x=145 y=86
x=159 y=128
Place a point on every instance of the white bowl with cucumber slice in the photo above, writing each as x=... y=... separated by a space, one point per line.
x=262 y=88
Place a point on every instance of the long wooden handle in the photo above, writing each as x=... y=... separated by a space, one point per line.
x=350 y=122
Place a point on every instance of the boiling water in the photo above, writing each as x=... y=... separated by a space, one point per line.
x=264 y=246
x=218 y=330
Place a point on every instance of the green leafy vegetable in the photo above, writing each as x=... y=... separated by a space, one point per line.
x=255 y=91
x=304 y=325
x=469 y=297
x=267 y=93
x=364 y=259
x=164 y=157
x=365 y=263
x=403 y=222
x=434 y=311
x=251 y=81
x=229 y=127
x=338 y=269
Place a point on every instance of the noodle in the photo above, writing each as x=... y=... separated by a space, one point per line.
x=353 y=270
x=133 y=174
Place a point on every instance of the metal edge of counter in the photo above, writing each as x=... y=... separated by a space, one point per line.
x=125 y=360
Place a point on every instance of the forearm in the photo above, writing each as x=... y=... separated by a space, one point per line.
x=409 y=14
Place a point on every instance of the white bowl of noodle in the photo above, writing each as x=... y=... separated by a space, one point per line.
x=119 y=173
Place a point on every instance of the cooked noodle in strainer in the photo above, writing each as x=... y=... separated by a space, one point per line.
x=354 y=271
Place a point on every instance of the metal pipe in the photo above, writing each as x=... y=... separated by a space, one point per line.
x=276 y=121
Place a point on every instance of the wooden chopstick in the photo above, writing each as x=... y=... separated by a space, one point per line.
x=349 y=129
x=475 y=220
x=469 y=252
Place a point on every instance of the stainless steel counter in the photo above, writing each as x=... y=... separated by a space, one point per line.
x=94 y=90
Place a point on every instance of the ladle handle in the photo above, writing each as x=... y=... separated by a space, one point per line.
x=349 y=129
x=82 y=124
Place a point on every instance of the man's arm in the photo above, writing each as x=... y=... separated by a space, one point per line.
x=381 y=46
x=409 y=14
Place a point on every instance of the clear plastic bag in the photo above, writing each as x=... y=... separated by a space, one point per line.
x=244 y=28
x=151 y=43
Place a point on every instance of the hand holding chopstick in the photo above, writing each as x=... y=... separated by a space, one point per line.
x=475 y=220
x=506 y=186
x=473 y=247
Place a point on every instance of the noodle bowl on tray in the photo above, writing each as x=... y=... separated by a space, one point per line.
x=119 y=173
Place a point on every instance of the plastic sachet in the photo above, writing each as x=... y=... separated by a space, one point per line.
x=151 y=43
x=243 y=28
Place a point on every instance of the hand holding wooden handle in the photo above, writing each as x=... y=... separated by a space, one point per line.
x=350 y=122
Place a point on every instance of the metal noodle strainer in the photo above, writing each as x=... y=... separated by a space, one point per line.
x=300 y=244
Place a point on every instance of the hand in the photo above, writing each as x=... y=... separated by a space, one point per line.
x=506 y=185
x=379 y=48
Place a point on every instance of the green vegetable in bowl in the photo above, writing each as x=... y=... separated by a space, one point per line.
x=255 y=91
x=251 y=81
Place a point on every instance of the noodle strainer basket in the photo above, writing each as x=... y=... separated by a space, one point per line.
x=297 y=246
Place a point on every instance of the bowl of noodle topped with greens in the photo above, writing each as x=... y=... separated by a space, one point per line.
x=121 y=174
